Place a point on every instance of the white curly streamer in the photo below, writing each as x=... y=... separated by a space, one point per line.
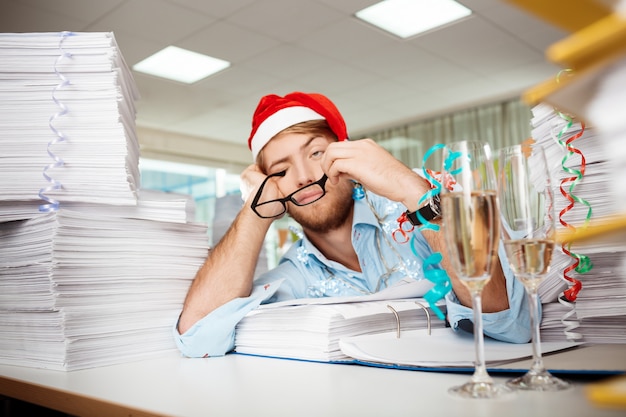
x=51 y=203
x=572 y=324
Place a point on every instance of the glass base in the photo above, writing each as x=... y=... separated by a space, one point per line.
x=538 y=381
x=473 y=389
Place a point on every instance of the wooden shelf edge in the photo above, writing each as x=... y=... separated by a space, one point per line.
x=563 y=13
x=601 y=41
x=595 y=229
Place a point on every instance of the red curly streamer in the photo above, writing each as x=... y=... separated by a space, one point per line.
x=572 y=292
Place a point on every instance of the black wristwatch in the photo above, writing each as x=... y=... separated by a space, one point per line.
x=430 y=211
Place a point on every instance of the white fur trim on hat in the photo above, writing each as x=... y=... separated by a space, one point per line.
x=279 y=121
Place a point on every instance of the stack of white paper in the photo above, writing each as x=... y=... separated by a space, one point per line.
x=558 y=326
x=95 y=271
x=110 y=287
x=67 y=110
x=583 y=192
x=596 y=94
x=310 y=329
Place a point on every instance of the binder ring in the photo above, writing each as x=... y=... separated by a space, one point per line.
x=398 y=326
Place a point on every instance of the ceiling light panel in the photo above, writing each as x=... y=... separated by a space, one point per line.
x=181 y=65
x=407 y=18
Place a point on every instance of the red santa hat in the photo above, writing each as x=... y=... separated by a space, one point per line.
x=275 y=113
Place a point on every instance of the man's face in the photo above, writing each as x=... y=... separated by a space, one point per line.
x=300 y=155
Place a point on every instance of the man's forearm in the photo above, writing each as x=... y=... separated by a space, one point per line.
x=494 y=296
x=228 y=270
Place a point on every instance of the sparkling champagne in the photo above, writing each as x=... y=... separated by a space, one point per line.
x=529 y=259
x=472 y=232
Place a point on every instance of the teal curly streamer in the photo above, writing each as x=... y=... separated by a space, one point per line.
x=439 y=277
x=430 y=193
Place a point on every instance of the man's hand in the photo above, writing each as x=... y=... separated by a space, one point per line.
x=251 y=179
x=373 y=166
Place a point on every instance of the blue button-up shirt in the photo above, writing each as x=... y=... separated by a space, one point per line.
x=305 y=272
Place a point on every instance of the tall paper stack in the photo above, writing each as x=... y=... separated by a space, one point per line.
x=74 y=96
x=93 y=270
x=583 y=191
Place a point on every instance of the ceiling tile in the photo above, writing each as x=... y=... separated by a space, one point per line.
x=239 y=81
x=155 y=20
x=347 y=39
x=336 y=78
x=286 y=20
x=79 y=9
x=279 y=46
x=17 y=17
x=219 y=9
x=286 y=62
x=349 y=6
x=218 y=39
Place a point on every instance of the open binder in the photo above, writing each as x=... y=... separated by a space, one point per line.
x=421 y=346
x=447 y=350
x=310 y=329
x=395 y=328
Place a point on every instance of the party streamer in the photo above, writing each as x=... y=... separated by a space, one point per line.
x=439 y=277
x=569 y=321
x=435 y=189
x=52 y=204
x=582 y=263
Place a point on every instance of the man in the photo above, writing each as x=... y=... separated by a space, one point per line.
x=300 y=142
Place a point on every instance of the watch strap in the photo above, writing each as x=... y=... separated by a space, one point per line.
x=429 y=212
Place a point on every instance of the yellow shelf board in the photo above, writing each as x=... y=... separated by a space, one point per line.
x=608 y=393
x=595 y=229
x=538 y=93
x=572 y=91
x=569 y=15
x=601 y=41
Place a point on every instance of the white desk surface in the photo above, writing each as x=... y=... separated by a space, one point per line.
x=239 y=385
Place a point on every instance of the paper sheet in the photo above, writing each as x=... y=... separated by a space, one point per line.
x=443 y=348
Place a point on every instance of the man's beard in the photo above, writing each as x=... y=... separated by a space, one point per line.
x=328 y=213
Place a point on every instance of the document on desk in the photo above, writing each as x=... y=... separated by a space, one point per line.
x=310 y=329
x=442 y=349
x=406 y=288
x=365 y=328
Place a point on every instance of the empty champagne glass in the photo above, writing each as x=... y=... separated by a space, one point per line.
x=471 y=228
x=528 y=231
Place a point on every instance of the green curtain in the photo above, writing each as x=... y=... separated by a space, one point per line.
x=500 y=124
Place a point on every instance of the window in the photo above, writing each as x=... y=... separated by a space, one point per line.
x=204 y=184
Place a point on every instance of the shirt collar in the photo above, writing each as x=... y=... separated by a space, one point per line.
x=362 y=216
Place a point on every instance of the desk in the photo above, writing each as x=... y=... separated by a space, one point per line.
x=239 y=385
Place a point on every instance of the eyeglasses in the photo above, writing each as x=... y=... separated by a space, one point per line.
x=308 y=194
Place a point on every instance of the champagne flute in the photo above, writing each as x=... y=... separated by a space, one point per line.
x=528 y=228
x=471 y=229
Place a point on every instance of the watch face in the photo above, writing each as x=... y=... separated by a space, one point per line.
x=429 y=212
x=435 y=206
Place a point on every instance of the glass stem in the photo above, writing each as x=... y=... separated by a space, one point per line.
x=533 y=301
x=480 y=370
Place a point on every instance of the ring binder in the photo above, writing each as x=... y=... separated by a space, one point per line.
x=395 y=313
